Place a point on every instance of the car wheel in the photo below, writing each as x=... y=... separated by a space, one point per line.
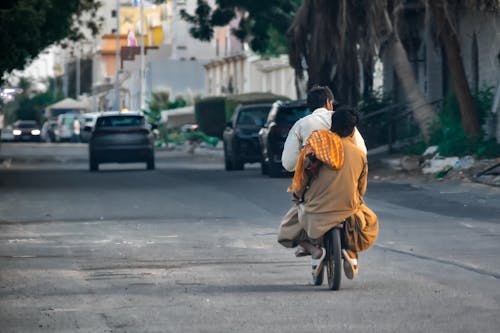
x=238 y=164
x=93 y=164
x=228 y=163
x=263 y=167
x=274 y=169
x=150 y=163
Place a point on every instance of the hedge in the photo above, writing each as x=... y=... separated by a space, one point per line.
x=212 y=113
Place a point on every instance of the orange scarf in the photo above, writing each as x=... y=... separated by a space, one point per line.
x=327 y=147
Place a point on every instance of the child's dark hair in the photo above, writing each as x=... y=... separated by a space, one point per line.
x=318 y=96
x=344 y=119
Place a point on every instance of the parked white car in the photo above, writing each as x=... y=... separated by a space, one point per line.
x=7 y=134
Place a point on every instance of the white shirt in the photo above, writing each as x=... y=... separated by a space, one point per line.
x=320 y=119
x=76 y=127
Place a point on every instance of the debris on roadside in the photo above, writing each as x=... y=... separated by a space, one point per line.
x=411 y=162
x=489 y=174
x=439 y=164
x=433 y=165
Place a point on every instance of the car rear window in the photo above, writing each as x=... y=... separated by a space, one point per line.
x=253 y=116
x=289 y=115
x=120 y=121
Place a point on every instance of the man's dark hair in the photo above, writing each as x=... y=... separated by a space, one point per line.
x=344 y=119
x=318 y=96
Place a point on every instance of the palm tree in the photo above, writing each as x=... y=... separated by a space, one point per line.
x=389 y=13
x=324 y=39
x=444 y=13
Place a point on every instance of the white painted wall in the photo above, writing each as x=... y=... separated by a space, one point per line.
x=251 y=73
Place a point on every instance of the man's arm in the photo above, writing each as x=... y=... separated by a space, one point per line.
x=363 y=178
x=358 y=139
x=292 y=148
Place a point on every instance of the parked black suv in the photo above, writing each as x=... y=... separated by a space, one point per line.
x=241 y=141
x=273 y=135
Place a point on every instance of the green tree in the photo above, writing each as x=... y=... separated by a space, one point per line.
x=327 y=38
x=29 y=105
x=29 y=26
x=444 y=13
x=263 y=24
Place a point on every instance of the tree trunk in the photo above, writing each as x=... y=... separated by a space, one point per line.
x=422 y=110
x=368 y=68
x=314 y=37
x=452 y=50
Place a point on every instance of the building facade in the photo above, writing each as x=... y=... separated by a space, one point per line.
x=247 y=72
x=479 y=38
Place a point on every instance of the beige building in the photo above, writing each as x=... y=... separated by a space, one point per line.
x=169 y=49
x=247 y=72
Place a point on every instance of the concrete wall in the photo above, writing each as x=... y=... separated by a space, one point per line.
x=179 y=77
x=485 y=27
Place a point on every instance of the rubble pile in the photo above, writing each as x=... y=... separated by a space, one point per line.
x=431 y=164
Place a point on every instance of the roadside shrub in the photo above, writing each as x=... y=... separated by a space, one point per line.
x=233 y=101
x=375 y=128
x=448 y=134
x=417 y=148
x=210 y=115
x=374 y=101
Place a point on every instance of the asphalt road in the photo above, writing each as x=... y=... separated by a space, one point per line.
x=191 y=248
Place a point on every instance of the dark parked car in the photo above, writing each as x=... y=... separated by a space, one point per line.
x=26 y=130
x=121 y=138
x=241 y=141
x=273 y=135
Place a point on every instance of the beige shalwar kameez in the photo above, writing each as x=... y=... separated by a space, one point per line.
x=332 y=197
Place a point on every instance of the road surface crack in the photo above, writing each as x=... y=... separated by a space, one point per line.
x=442 y=261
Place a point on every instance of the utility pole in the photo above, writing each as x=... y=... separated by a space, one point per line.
x=117 y=57
x=141 y=74
x=78 y=73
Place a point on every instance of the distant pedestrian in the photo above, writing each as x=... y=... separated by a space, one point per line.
x=75 y=137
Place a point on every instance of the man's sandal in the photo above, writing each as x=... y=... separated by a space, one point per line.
x=317 y=264
x=350 y=266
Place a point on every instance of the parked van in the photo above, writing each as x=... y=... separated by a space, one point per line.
x=64 y=128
